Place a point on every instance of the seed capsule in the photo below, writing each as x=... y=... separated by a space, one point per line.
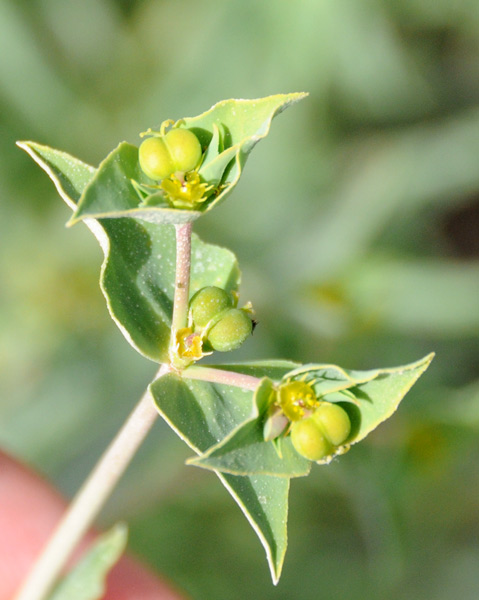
x=319 y=436
x=333 y=421
x=184 y=149
x=309 y=441
x=207 y=303
x=230 y=331
x=177 y=151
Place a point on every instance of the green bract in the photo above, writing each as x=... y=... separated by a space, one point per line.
x=177 y=151
x=258 y=447
x=230 y=331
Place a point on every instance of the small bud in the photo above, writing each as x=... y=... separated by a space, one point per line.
x=275 y=425
x=322 y=435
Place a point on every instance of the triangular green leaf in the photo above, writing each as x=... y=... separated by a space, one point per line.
x=138 y=272
x=228 y=131
x=264 y=502
x=203 y=413
x=377 y=394
x=87 y=580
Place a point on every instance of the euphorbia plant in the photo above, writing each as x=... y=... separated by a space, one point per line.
x=176 y=300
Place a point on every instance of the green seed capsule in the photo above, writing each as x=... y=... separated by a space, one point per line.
x=207 y=303
x=309 y=441
x=161 y=156
x=184 y=149
x=319 y=436
x=155 y=160
x=230 y=331
x=333 y=421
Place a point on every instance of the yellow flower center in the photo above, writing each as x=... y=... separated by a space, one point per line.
x=296 y=397
x=187 y=192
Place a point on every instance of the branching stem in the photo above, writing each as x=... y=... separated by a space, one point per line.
x=247 y=382
x=90 y=499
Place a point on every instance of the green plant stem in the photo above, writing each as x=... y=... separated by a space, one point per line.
x=247 y=382
x=182 y=280
x=89 y=500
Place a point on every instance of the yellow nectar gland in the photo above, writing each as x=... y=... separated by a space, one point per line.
x=189 y=345
x=185 y=193
x=296 y=397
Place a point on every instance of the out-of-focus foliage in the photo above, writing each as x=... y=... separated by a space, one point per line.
x=87 y=580
x=372 y=259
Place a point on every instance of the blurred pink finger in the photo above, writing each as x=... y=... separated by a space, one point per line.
x=29 y=511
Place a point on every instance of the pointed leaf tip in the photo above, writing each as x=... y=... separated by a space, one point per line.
x=69 y=174
x=202 y=413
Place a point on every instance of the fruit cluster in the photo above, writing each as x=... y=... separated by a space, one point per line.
x=214 y=315
x=318 y=429
x=178 y=151
x=320 y=435
x=172 y=159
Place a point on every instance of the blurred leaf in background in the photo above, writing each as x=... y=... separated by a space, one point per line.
x=356 y=226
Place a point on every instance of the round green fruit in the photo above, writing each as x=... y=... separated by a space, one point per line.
x=161 y=156
x=333 y=421
x=155 y=160
x=207 y=303
x=184 y=148
x=309 y=441
x=230 y=331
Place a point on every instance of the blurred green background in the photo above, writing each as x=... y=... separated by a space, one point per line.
x=356 y=224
